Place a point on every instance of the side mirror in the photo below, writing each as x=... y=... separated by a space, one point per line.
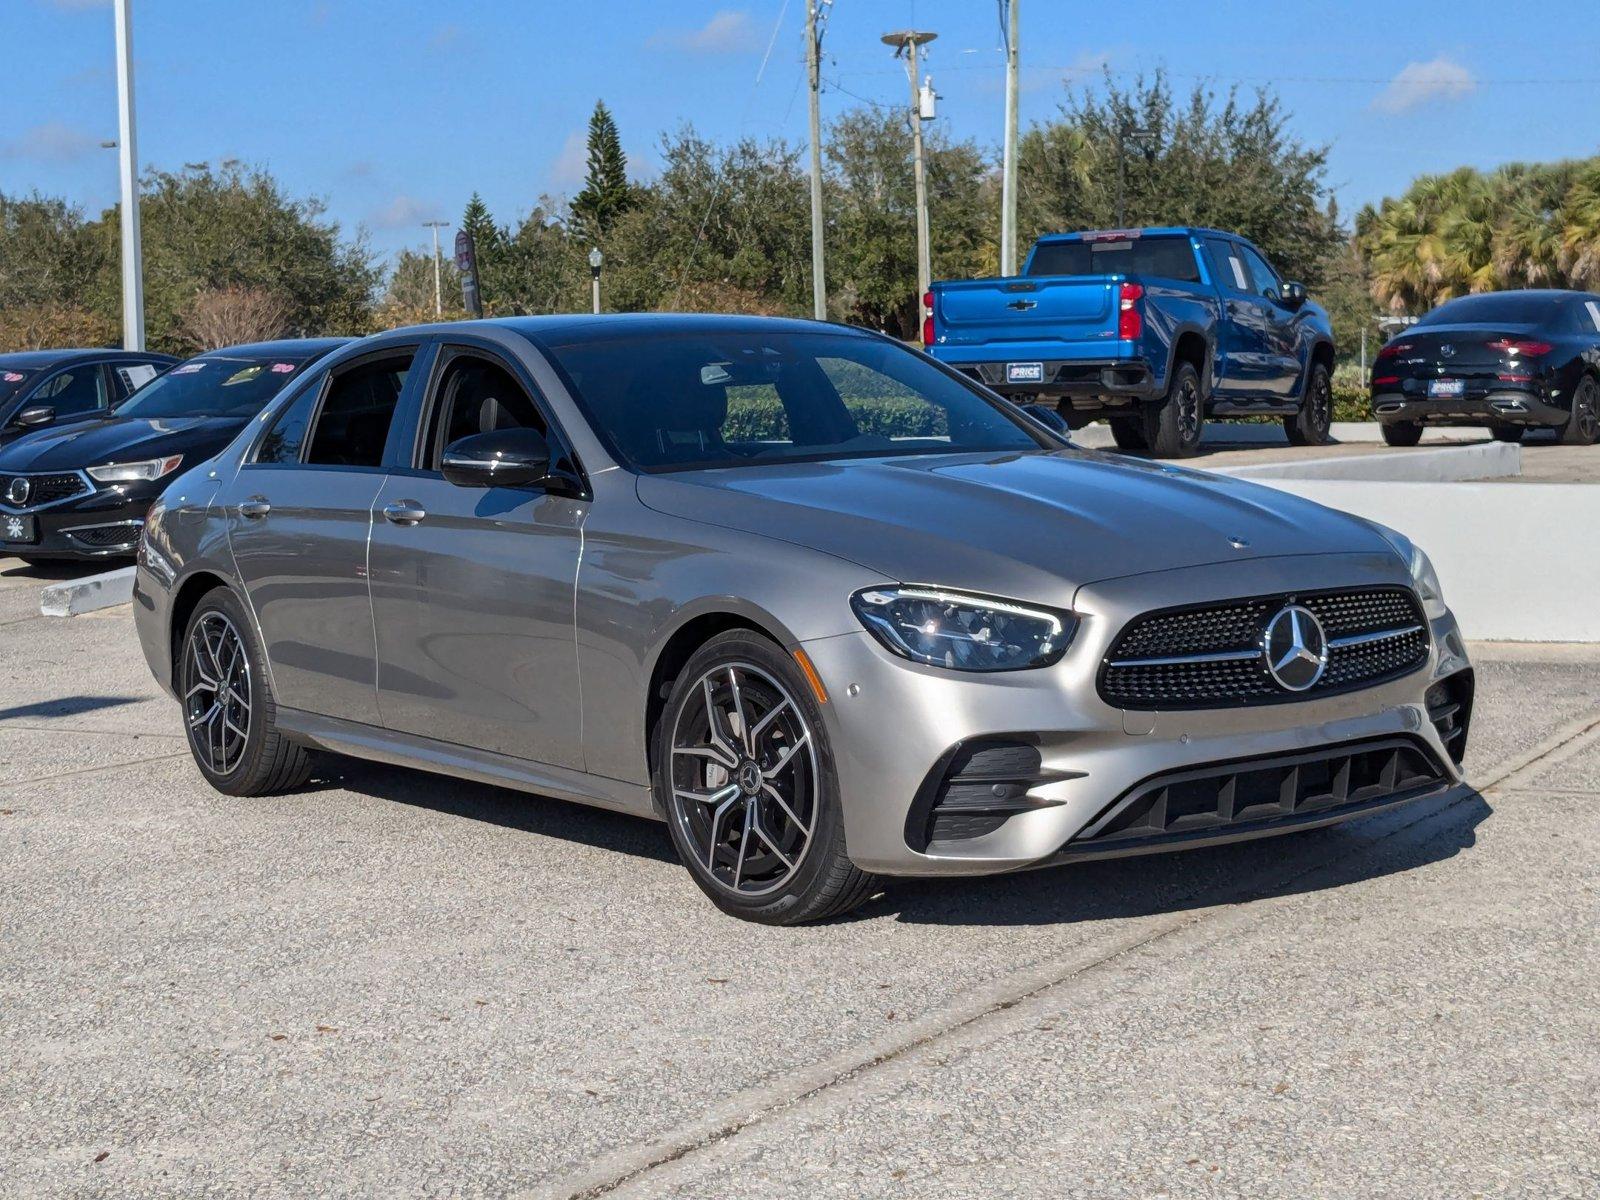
x=499 y=458
x=1294 y=295
x=32 y=418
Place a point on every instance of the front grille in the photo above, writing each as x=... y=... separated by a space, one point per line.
x=1210 y=656
x=1261 y=793
x=45 y=489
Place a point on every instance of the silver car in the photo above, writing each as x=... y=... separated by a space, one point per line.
x=830 y=610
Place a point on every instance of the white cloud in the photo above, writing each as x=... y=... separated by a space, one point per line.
x=51 y=142
x=1419 y=82
x=729 y=31
x=571 y=164
x=404 y=212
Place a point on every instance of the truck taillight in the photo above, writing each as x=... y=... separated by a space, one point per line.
x=927 y=318
x=1130 y=322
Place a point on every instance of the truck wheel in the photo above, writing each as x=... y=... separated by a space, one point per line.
x=1311 y=426
x=1583 y=426
x=1402 y=433
x=1173 y=427
x=1128 y=433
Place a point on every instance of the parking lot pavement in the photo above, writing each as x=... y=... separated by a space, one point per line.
x=400 y=984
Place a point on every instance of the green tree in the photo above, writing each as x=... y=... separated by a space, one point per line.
x=606 y=193
x=1224 y=162
x=872 y=238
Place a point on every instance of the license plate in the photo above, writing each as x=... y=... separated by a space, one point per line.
x=1446 y=387
x=16 y=530
x=1024 y=372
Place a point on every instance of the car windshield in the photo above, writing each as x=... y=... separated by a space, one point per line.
x=213 y=387
x=689 y=399
x=1497 y=309
x=12 y=381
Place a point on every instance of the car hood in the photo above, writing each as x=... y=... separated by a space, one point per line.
x=80 y=444
x=1035 y=526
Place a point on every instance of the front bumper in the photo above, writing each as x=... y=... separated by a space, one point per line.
x=895 y=725
x=100 y=521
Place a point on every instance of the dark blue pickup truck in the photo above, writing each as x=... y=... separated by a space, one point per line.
x=1154 y=329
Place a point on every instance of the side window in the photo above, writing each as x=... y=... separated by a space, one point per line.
x=353 y=423
x=129 y=377
x=478 y=395
x=1227 y=265
x=1264 y=279
x=287 y=438
x=1587 y=315
x=75 y=390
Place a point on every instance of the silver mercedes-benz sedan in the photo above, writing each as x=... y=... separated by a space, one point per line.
x=826 y=607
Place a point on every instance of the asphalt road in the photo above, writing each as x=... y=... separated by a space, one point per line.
x=393 y=984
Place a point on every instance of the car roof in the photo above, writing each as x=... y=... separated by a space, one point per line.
x=579 y=327
x=1143 y=231
x=52 y=358
x=1525 y=294
x=284 y=346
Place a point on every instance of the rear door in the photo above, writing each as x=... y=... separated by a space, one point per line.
x=473 y=588
x=299 y=513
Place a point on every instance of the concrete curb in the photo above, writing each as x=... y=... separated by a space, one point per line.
x=1445 y=464
x=77 y=596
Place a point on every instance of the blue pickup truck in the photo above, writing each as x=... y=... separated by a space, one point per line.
x=1153 y=329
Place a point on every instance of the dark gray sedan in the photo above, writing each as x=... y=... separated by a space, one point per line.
x=827 y=608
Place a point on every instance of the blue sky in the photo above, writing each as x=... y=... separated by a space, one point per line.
x=393 y=111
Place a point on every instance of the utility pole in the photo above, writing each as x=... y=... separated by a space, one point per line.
x=128 y=153
x=438 y=291
x=819 y=288
x=1008 y=173
x=906 y=41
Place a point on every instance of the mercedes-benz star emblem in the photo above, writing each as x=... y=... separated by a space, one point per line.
x=1295 y=647
x=17 y=491
x=1446 y=350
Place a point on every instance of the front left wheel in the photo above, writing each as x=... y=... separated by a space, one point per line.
x=229 y=713
x=1313 y=424
x=745 y=776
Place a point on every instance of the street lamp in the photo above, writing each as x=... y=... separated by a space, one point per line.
x=1148 y=139
x=595 y=259
x=438 y=294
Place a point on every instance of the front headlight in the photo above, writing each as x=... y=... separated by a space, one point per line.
x=130 y=472
x=1423 y=577
x=963 y=632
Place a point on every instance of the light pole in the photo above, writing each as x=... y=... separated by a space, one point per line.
x=132 y=254
x=819 y=291
x=906 y=42
x=1008 y=172
x=1142 y=137
x=438 y=291
x=595 y=259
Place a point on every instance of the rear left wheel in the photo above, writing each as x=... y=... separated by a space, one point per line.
x=1173 y=427
x=229 y=714
x=745 y=776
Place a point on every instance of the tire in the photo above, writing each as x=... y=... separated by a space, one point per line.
x=756 y=821
x=1174 y=426
x=1128 y=433
x=1313 y=424
x=1507 y=433
x=1583 y=426
x=220 y=651
x=1402 y=433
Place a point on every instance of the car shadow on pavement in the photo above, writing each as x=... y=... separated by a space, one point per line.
x=66 y=706
x=507 y=807
x=1317 y=860
x=55 y=572
x=1366 y=848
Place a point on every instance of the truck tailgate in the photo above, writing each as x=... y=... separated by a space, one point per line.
x=1045 y=310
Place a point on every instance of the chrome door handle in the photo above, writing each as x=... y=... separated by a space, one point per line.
x=254 y=508
x=404 y=512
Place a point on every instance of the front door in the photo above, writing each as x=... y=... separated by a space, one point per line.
x=299 y=512
x=473 y=588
